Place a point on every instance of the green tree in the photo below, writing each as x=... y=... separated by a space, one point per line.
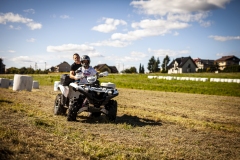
x=133 y=69
x=156 y=65
x=166 y=60
x=143 y=71
x=153 y=65
x=140 y=68
x=130 y=70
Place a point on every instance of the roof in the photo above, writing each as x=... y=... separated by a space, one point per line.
x=99 y=66
x=62 y=63
x=181 y=61
x=112 y=68
x=227 y=58
x=204 y=61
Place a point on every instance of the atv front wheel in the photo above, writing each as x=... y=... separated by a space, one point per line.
x=95 y=114
x=59 y=109
x=112 y=110
x=73 y=110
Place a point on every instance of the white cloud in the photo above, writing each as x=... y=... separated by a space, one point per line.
x=222 y=38
x=163 y=7
x=12 y=27
x=149 y=27
x=11 y=51
x=134 y=56
x=31 y=40
x=16 y=18
x=159 y=24
x=175 y=33
x=111 y=43
x=109 y=25
x=95 y=54
x=33 y=25
x=191 y=17
x=22 y=59
x=74 y=48
x=70 y=48
x=32 y=11
x=64 y=17
x=138 y=54
x=181 y=10
x=170 y=53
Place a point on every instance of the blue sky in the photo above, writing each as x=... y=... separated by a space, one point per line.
x=123 y=33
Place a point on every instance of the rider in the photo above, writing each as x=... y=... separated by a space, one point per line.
x=85 y=70
x=75 y=65
x=81 y=76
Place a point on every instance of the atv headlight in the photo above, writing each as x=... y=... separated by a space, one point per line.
x=86 y=89
x=110 y=93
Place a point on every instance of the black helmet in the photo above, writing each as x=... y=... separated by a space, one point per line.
x=85 y=57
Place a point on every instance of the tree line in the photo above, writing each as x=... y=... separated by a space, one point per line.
x=24 y=70
x=153 y=66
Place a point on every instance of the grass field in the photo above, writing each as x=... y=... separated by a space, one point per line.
x=140 y=81
x=151 y=123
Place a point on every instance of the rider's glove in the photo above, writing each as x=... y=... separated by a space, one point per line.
x=79 y=76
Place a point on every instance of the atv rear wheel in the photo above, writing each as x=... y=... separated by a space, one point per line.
x=112 y=110
x=59 y=109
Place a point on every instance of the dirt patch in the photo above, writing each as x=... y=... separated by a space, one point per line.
x=150 y=125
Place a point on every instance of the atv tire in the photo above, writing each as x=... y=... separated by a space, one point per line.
x=59 y=109
x=112 y=110
x=95 y=114
x=73 y=110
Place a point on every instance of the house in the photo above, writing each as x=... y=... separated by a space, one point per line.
x=2 y=66
x=182 y=65
x=62 y=67
x=203 y=63
x=226 y=61
x=105 y=67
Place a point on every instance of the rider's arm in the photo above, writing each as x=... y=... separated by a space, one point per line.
x=72 y=75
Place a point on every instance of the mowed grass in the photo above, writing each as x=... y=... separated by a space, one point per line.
x=140 y=81
x=150 y=125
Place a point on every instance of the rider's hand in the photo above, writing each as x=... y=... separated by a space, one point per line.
x=78 y=77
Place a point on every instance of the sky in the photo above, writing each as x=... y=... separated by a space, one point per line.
x=122 y=33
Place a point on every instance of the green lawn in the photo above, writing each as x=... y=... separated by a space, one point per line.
x=141 y=81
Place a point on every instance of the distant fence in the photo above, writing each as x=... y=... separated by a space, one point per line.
x=228 y=80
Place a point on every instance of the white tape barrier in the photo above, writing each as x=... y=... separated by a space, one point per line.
x=226 y=80
x=196 y=79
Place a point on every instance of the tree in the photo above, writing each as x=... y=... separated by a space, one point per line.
x=153 y=64
x=143 y=71
x=133 y=70
x=166 y=60
x=156 y=65
x=130 y=70
x=140 y=68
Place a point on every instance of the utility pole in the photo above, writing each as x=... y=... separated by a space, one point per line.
x=45 y=65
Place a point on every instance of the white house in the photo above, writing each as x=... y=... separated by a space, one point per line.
x=182 y=65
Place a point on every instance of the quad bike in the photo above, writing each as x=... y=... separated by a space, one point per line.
x=89 y=97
